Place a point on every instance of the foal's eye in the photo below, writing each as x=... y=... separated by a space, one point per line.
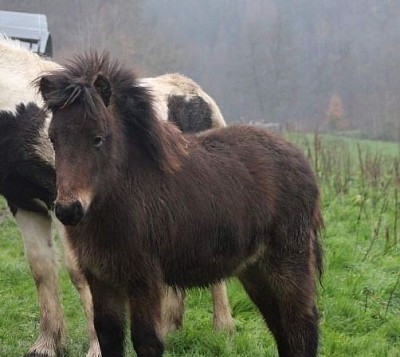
x=98 y=141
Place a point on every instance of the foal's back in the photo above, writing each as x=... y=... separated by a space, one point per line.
x=258 y=162
x=239 y=189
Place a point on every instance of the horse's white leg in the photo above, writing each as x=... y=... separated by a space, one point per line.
x=82 y=287
x=222 y=319
x=42 y=258
x=173 y=308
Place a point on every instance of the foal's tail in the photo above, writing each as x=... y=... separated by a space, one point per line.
x=317 y=227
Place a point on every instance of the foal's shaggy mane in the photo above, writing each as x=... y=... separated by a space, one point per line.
x=105 y=88
x=76 y=82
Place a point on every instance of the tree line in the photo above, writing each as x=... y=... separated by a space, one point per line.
x=307 y=64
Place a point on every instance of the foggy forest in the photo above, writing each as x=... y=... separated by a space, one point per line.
x=305 y=64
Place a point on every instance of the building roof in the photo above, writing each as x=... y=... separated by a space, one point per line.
x=30 y=29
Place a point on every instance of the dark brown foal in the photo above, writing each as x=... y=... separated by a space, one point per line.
x=145 y=205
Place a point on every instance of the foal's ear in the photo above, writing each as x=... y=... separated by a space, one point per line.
x=103 y=87
x=45 y=87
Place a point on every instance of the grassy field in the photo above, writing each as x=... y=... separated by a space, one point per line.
x=359 y=301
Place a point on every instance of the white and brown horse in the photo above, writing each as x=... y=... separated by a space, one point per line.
x=27 y=181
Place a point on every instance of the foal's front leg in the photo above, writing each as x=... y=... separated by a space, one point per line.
x=109 y=316
x=146 y=320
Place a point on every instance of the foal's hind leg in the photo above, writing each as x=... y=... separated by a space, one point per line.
x=286 y=299
x=82 y=286
x=41 y=255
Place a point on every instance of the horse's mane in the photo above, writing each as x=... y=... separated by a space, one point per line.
x=102 y=86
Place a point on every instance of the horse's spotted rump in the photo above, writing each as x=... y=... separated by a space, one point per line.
x=189 y=114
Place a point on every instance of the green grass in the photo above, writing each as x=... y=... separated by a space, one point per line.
x=359 y=301
x=385 y=148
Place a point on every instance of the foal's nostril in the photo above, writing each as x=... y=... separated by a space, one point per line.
x=69 y=214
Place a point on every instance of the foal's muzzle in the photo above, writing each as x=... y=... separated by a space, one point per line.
x=69 y=214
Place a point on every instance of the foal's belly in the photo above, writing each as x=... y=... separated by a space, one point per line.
x=193 y=271
x=197 y=276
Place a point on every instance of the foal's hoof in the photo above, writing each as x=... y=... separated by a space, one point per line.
x=149 y=352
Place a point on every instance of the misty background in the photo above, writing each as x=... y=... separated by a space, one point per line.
x=306 y=64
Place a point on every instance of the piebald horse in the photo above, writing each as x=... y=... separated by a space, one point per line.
x=27 y=181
